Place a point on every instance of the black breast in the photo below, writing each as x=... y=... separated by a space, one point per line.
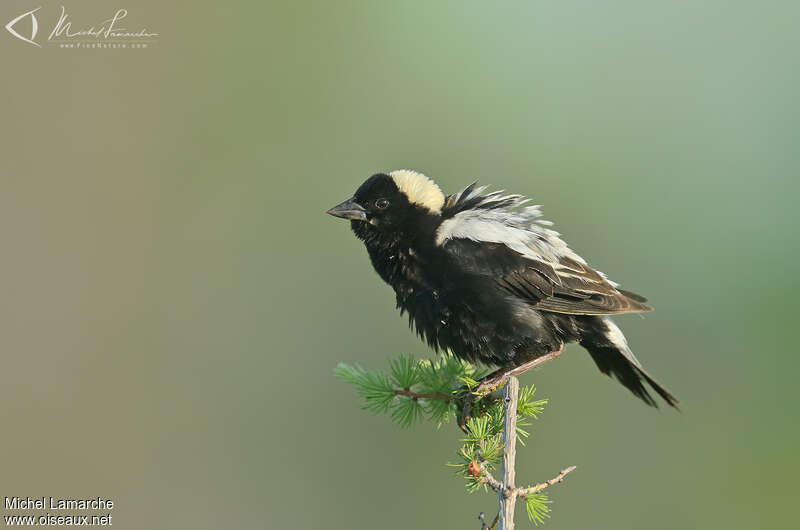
x=454 y=310
x=418 y=284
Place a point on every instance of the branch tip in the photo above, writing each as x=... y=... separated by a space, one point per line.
x=524 y=492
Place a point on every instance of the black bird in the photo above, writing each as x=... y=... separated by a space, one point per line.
x=483 y=276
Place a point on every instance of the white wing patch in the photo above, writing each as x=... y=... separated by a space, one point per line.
x=505 y=219
x=517 y=226
x=419 y=189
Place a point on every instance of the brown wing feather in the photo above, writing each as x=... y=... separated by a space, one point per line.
x=567 y=286
x=584 y=291
x=571 y=287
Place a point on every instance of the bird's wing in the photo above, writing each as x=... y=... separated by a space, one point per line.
x=497 y=236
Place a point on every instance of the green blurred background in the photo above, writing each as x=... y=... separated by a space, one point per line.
x=174 y=298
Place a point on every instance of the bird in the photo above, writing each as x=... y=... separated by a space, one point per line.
x=482 y=275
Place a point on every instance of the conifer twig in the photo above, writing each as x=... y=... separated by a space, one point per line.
x=524 y=492
x=484 y=526
x=421 y=395
x=489 y=479
x=495 y=484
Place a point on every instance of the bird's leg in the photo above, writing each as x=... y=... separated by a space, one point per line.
x=495 y=380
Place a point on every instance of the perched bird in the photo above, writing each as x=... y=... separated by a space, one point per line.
x=483 y=276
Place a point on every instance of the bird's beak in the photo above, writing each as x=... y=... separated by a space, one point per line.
x=349 y=209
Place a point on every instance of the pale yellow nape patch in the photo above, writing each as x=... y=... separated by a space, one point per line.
x=419 y=189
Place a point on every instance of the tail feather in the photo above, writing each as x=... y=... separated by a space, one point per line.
x=610 y=351
x=614 y=363
x=665 y=394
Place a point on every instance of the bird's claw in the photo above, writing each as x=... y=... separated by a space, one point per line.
x=469 y=396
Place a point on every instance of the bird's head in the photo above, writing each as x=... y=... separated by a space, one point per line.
x=392 y=202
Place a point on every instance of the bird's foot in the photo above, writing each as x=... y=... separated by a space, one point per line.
x=492 y=382
x=469 y=395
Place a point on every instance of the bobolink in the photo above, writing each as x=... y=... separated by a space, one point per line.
x=481 y=275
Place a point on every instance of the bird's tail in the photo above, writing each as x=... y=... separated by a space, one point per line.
x=613 y=357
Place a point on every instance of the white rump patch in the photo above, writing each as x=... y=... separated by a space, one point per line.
x=419 y=189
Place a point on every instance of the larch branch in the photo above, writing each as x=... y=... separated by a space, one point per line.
x=496 y=485
x=524 y=492
x=489 y=479
x=421 y=395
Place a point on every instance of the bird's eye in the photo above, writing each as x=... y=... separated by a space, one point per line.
x=381 y=204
